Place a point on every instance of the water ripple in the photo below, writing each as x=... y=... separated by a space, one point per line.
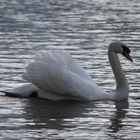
x=84 y=28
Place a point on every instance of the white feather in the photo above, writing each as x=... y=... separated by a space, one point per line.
x=55 y=75
x=56 y=72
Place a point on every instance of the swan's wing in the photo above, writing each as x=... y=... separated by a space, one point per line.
x=70 y=63
x=64 y=59
x=55 y=71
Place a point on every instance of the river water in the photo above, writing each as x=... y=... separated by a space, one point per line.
x=84 y=28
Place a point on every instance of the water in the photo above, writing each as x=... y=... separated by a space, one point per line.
x=84 y=28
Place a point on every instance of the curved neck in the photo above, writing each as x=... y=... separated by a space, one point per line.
x=122 y=88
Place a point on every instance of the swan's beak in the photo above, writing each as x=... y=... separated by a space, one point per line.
x=127 y=56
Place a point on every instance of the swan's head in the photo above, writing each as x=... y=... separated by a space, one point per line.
x=119 y=47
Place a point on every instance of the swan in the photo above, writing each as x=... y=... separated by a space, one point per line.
x=55 y=75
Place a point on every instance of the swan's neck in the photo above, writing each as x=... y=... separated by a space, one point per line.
x=122 y=88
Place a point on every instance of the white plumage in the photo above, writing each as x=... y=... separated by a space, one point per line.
x=55 y=75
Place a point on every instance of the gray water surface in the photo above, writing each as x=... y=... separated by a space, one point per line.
x=84 y=28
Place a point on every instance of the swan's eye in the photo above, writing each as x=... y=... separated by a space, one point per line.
x=126 y=49
x=126 y=52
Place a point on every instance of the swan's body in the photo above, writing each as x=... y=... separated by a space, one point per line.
x=55 y=75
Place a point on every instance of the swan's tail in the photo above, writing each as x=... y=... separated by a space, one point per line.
x=24 y=90
x=11 y=94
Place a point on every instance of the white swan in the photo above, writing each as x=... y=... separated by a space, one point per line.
x=55 y=75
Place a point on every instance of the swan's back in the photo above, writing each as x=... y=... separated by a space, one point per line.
x=56 y=74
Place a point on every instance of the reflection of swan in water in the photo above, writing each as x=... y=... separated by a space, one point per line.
x=56 y=76
x=62 y=115
x=55 y=115
x=118 y=117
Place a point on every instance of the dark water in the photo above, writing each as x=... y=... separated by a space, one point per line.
x=84 y=28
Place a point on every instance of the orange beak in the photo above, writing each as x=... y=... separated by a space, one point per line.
x=127 y=56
